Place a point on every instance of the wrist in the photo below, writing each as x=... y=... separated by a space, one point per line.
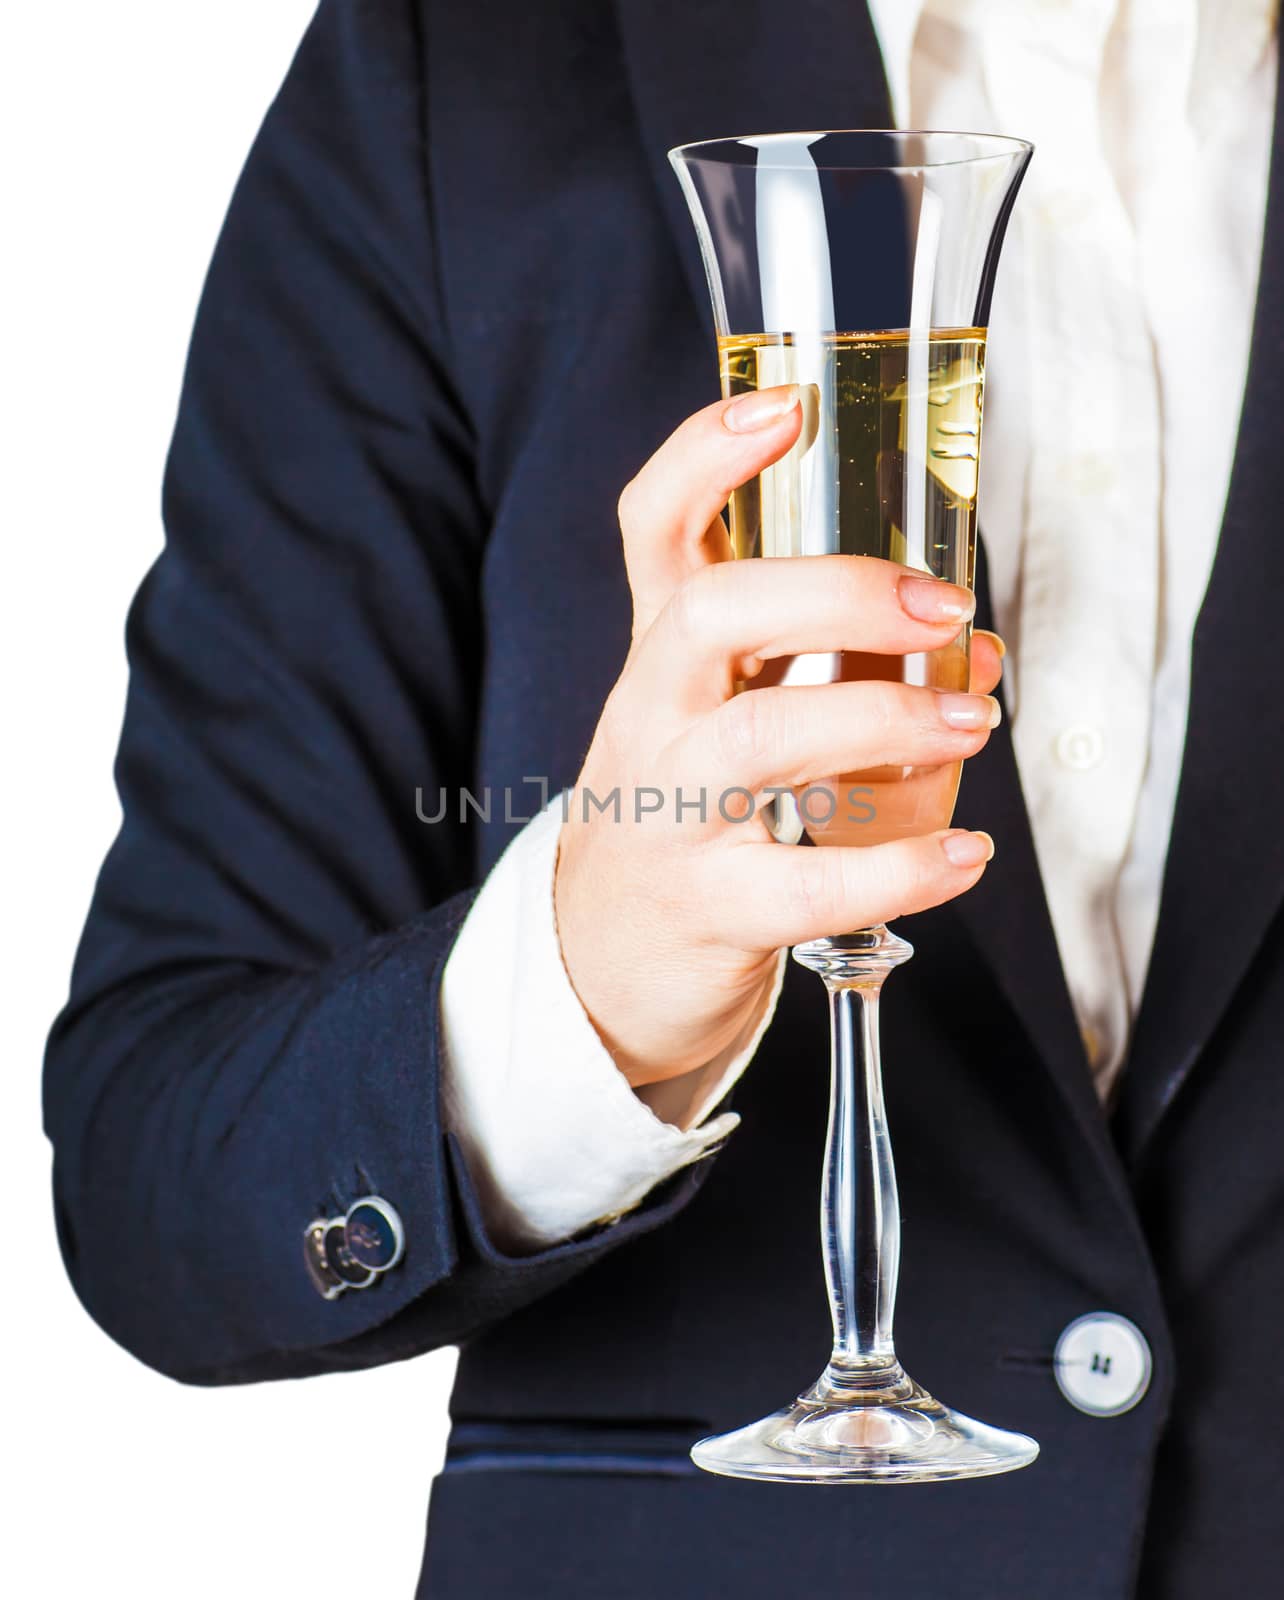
x=686 y=1100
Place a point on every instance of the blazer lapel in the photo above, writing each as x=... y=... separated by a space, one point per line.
x=713 y=68
x=709 y=69
x=1224 y=878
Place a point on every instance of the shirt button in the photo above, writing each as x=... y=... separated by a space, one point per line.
x=1080 y=746
x=1102 y=1364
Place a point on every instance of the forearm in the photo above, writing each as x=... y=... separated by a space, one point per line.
x=201 y=1121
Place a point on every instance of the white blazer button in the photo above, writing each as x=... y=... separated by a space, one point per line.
x=1102 y=1364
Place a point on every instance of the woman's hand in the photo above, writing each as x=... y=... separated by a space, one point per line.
x=670 y=922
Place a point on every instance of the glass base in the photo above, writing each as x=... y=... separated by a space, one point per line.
x=890 y=1433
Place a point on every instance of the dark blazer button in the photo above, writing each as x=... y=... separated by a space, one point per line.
x=326 y=1283
x=349 y=1272
x=373 y=1233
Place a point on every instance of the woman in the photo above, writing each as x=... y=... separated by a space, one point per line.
x=318 y=1103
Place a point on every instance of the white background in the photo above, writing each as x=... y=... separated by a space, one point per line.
x=123 y=127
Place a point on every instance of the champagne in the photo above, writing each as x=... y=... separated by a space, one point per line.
x=885 y=465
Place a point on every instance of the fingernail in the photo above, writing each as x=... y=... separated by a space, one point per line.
x=967 y=849
x=934 y=600
x=969 y=710
x=994 y=640
x=759 y=409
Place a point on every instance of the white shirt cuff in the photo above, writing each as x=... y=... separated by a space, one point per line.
x=555 y=1138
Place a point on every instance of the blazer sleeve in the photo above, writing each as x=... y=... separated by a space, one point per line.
x=251 y=1038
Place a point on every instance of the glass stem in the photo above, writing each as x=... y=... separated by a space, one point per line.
x=860 y=1215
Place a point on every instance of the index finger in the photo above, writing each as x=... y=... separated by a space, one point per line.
x=671 y=512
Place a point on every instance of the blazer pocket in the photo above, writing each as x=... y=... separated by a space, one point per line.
x=637 y=1447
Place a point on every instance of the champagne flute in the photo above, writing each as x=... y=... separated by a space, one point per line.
x=860 y=266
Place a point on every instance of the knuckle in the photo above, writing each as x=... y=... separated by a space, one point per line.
x=888 y=708
x=917 y=875
x=853 y=584
x=748 y=728
x=885 y=882
x=692 y=607
x=924 y=876
x=626 y=505
x=811 y=888
x=867 y=885
x=902 y=719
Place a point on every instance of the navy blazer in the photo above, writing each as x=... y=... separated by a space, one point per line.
x=455 y=304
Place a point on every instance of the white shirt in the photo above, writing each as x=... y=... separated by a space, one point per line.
x=1115 y=375
x=1117 y=357
x=554 y=1136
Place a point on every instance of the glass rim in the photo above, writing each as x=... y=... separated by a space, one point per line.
x=1004 y=147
